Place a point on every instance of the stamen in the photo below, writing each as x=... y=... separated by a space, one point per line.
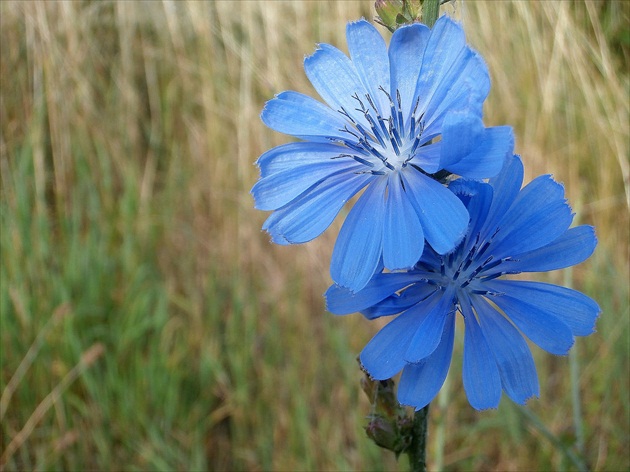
x=369 y=99
x=415 y=108
x=346 y=130
x=347 y=115
x=381 y=122
x=356 y=97
x=362 y=161
x=375 y=130
x=481 y=267
x=489 y=293
x=420 y=123
x=496 y=275
x=416 y=143
x=365 y=132
x=488 y=242
x=380 y=87
x=392 y=137
x=355 y=146
x=493 y=265
x=400 y=116
x=373 y=150
x=471 y=258
x=397 y=136
x=392 y=106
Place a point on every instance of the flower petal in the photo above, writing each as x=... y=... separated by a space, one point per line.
x=430 y=327
x=444 y=46
x=480 y=374
x=341 y=301
x=300 y=115
x=462 y=132
x=573 y=247
x=539 y=215
x=578 y=311
x=506 y=185
x=540 y=326
x=383 y=356
x=405 y=56
x=488 y=154
x=421 y=382
x=448 y=68
x=291 y=155
x=512 y=355
x=336 y=80
x=403 y=238
x=443 y=216
x=466 y=86
x=410 y=296
x=428 y=157
x=368 y=52
x=277 y=190
x=312 y=212
x=360 y=242
x=477 y=197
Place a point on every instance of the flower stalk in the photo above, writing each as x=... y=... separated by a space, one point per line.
x=418 y=447
x=430 y=12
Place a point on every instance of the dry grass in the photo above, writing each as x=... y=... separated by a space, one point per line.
x=128 y=134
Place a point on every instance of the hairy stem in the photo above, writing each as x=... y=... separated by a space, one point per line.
x=418 y=447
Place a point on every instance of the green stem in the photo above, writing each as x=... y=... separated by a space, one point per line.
x=430 y=12
x=418 y=447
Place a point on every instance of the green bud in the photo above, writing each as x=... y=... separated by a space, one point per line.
x=395 y=13
x=413 y=9
x=387 y=11
x=382 y=395
x=393 y=434
x=384 y=433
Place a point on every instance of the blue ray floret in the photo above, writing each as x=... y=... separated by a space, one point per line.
x=397 y=120
x=511 y=230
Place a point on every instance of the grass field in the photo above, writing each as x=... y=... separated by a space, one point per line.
x=146 y=321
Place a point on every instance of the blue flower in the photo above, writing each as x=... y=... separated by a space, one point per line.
x=510 y=231
x=398 y=120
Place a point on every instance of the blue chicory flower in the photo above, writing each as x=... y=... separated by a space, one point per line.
x=398 y=119
x=510 y=231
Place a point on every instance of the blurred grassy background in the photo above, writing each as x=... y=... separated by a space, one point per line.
x=148 y=323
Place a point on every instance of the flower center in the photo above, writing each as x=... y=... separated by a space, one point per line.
x=469 y=268
x=389 y=144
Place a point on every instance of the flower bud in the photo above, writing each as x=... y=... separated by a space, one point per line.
x=383 y=432
x=387 y=11
x=382 y=395
x=394 y=434
x=394 y=13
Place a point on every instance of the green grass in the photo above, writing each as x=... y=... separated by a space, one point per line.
x=146 y=321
